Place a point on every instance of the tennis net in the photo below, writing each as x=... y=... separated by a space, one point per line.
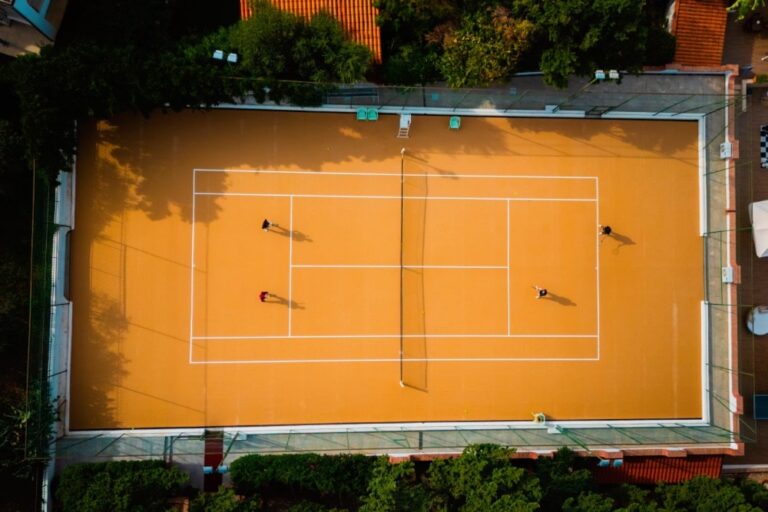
x=413 y=217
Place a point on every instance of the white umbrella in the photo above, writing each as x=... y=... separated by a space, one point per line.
x=758 y=215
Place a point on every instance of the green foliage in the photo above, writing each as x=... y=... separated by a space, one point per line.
x=310 y=506
x=88 y=80
x=560 y=480
x=394 y=487
x=25 y=429
x=407 y=22
x=94 y=79
x=413 y=64
x=485 y=48
x=744 y=7
x=637 y=499
x=477 y=42
x=143 y=486
x=140 y=23
x=579 y=36
x=223 y=500
x=755 y=493
x=275 y=46
x=660 y=46
x=482 y=479
x=411 y=38
x=15 y=189
x=341 y=479
x=588 y=502
x=703 y=494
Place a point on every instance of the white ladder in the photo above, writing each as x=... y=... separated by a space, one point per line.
x=405 y=126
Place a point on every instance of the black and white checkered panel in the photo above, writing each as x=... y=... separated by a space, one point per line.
x=764 y=146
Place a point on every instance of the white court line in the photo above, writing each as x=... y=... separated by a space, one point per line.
x=192 y=273
x=391 y=360
x=419 y=198
x=509 y=305
x=459 y=267
x=387 y=336
x=390 y=336
x=290 y=264
x=416 y=175
x=597 y=262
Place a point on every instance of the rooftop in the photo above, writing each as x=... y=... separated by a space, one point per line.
x=699 y=26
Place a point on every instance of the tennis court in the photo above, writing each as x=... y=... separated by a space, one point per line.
x=401 y=272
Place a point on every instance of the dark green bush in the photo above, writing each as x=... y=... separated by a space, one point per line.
x=661 y=46
x=135 y=486
x=343 y=477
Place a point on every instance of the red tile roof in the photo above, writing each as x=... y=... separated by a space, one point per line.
x=699 y=26
x=651 y=470
x=357 y=17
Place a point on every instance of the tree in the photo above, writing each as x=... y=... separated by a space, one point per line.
x=744 y=7
x=282 y=52
x=579 y=36
x=394 y=487
x=588 y=502
x=223 y=500
x=339 y=480
x=560 y=480
x=485 y=48
x=119 y=486
x=407 y=22
x=703 y=494
x=482 y=479
x=637 y=499
x=755 y=493
x=407 y=26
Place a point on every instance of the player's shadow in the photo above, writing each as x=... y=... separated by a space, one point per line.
x=282 y=301
x=621 y=239
x=298 y=236
x=563 y=301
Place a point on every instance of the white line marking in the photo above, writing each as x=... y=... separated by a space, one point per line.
x=597 y=257
x=391 y=336
x=509 y=305
x=387 y=336
x=192 y=273
x=428 y=175
x=290 y=264
x=436 y=360
x=460 y=267
x=419 y=198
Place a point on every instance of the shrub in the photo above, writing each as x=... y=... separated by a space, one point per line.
x=342 y=478
x=136 y=486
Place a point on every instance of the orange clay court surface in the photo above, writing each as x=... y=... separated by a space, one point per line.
x=168 y=259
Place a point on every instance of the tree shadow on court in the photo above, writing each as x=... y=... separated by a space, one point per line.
x=296 y=235
x=617 y=239
x=98 y=366
x=423 y=162
x=602 y=138
x=559 y=299
x=151 y=161
x=157 y=156
x=101 y=178
x=282 y=301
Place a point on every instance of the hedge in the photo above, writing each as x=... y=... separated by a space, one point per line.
x=136 y=486
x=344 y=477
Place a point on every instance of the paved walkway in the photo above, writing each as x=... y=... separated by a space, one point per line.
x=747 y=49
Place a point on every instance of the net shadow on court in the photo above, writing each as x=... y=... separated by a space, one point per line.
x=413 y=220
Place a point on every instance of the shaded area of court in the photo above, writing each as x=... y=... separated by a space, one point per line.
x=168 y=262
